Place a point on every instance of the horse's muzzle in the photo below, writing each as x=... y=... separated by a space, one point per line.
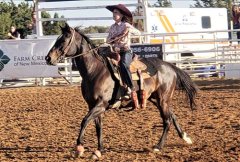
x=48 y=60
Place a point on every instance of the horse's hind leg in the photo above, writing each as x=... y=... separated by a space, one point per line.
x=168 y=117
x=181 y=134
x=167 y=120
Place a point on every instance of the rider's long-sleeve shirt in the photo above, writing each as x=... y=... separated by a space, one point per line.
x=122 y=30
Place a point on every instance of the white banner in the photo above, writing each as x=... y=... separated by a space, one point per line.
x=25 y=59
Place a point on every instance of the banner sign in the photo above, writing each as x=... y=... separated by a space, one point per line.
x=148 y=50
x=25 y=59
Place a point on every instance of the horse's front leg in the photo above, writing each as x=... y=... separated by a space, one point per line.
x=98 y=123
x=94 y=113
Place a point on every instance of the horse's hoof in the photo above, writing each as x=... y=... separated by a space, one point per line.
x=143 y=107
x=79 y=151
x=96 y=155
x=156 y=149
x=186 y=138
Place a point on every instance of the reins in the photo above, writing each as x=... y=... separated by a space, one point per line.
x=84 y=53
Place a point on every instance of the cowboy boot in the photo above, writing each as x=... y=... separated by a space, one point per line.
x=143 y=98
x=134 y=99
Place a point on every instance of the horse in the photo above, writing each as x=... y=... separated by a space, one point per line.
x=98 y=85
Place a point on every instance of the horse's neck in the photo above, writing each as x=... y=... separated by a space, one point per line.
x=88 y=64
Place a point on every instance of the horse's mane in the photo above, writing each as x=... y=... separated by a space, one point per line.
x=89 y=41
x=93 y=46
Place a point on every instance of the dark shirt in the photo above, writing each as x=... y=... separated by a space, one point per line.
x=24 y=32
x=15 y=34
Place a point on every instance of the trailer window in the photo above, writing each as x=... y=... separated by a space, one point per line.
x=206 y=22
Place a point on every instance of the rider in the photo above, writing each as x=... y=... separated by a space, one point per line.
x=119 y=38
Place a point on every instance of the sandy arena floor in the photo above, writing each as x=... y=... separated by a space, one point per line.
x=42 y=124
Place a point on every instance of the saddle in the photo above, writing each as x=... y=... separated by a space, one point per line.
x=140 y=69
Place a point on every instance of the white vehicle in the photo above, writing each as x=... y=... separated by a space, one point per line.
x=173 y=21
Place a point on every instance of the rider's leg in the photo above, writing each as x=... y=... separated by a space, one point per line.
x=126 y=59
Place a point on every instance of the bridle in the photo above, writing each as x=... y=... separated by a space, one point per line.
x=67 y=48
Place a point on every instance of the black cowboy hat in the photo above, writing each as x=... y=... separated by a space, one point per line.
x=123 y=9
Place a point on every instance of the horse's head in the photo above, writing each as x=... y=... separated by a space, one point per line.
x=65 y=46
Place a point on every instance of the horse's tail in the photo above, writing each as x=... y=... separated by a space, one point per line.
x=185 y=83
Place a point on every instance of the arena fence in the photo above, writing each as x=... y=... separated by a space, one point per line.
x=215 y=57
x=197 y=56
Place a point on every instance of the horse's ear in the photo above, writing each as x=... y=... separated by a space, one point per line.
x=62 y=28
x=65 y=28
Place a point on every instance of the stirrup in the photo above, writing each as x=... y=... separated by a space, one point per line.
x=127 y=95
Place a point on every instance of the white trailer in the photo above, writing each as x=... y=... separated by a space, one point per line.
x=172 y=21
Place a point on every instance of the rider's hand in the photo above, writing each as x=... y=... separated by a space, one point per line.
x=117 y=49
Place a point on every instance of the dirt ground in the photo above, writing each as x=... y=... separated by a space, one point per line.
x=42 y=124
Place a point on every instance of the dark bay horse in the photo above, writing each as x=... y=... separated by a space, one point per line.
x=98 y=85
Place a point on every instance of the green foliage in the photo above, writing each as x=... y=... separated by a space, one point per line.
x=50 y=27
x=163 y=3
x=95 y=29
x=12 y=14
x=211 y=3
x=20 y=15
x=56 y=25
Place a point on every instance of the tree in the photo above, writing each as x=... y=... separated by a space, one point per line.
x=211 y=3
x=56 y=25
x=11 y=14
x=163 y=3
x=46 y=24
x=20 y=16
x=49 y=27
x=5 y=19
x=95 y=29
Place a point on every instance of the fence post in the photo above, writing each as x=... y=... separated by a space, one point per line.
x=38 y=21
x=70 y=70
x=163 y=48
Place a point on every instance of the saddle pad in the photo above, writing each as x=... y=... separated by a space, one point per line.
x=137 y=65
x=144 y=76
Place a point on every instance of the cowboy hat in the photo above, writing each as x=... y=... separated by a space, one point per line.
x=123 y=9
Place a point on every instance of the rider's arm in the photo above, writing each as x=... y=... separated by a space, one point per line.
x=133 y=30
x=13 y=37
x=113 y=39
x=123 y=34
x=110 y=35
